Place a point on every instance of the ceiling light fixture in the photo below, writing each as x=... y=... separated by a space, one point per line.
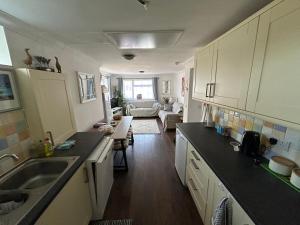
x=145 y=3
x=142 y=71
x=144 y=39
x=129 y=56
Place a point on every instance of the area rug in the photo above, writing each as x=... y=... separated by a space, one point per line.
x=112 y=222
x=145 y=126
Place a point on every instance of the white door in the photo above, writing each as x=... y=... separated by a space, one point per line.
x=274 y=88
x=234 y=61
x=204 y=64
x=53 y=102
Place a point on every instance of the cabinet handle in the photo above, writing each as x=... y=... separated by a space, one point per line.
x=206 y=90
x=195 y=156
x=212 y=90
x=194 y=164
x=193 y=185
x=85 y=175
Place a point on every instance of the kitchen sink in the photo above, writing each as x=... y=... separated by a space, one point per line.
x=23 y=187
x=34 y=174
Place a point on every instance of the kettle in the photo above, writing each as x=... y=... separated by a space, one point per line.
x=250 y=143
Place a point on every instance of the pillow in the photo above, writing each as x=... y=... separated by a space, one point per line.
x=168 y=107
x=131 y=106
x=177 y=107
x=156 y=105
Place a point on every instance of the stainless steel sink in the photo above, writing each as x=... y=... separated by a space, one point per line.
x=34 y=173
x=31 y=180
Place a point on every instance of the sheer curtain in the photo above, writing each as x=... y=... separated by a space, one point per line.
x=155 y=87
x=120 y=85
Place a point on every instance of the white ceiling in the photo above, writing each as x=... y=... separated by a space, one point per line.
x=80 y=23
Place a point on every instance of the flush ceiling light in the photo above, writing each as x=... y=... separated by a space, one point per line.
x=144 y=39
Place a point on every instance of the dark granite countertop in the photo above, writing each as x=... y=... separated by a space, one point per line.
x=266 y=199
x=85 y=144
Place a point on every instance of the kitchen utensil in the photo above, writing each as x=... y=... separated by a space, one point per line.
x=295 y=178
x=281 y=165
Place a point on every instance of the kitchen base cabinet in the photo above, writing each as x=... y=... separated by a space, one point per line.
x=72 y=204
x=207 y=190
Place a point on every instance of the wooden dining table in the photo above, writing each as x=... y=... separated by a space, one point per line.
x=120 y=134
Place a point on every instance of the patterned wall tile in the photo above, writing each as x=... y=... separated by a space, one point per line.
x=3 y=144
x=12 y=139
x=9 y=129
x=240 y=122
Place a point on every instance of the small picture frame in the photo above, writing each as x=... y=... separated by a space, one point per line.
x=87 y=87
x=166 y=87
x=9 y=99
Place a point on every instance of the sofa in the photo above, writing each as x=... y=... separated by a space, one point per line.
x=143 y=108
x=171 y=115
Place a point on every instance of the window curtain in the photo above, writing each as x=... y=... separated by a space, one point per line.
x=120 y=85
x=155 y=87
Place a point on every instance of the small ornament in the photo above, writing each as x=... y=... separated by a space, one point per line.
x=28 y=60
x=58 y=66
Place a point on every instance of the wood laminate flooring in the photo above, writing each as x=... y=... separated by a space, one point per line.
x=151 y=193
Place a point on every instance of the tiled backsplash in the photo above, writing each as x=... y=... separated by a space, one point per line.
x=289 y=139
x=14 y=136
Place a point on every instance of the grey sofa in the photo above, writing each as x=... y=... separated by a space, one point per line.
x=170 y=118
x=143 y=108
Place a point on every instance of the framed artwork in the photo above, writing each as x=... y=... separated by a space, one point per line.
x=9 y=99
x=87 y=87
x=182 y=86
x=166 y=87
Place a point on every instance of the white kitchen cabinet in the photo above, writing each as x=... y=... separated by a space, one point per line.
x=47 y=104
x=197 y=179
x=204 y=68
x=274 y=87
x=207 y=190
x=72 y=204
x=233 y=65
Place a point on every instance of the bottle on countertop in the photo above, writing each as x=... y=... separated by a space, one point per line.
x=48 y=147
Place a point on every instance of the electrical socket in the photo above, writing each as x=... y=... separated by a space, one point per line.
x=282 y=146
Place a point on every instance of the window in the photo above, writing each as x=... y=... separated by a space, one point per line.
x=134 y=87
x=4 y=52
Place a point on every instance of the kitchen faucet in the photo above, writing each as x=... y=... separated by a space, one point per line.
x=13 y=156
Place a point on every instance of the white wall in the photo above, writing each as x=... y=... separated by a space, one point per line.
x=71 y=61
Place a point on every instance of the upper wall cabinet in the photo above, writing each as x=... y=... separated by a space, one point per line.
x=274 y=87
x=46 y=100
x=204 y=62
x=234 y=61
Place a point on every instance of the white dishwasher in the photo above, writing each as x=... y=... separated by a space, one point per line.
x=100 y=173
x=180 y=155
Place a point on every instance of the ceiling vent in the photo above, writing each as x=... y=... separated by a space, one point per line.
x=129 y=56
x=144 y=39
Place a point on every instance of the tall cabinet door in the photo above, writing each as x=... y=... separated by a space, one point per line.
x=204 y=62
x=53 y=102
x=274 y=88
x=234 y=61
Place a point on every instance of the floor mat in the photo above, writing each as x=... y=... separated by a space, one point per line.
x=112 y=222
x=149 y=126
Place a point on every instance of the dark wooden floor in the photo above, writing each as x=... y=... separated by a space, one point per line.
x=151 y=193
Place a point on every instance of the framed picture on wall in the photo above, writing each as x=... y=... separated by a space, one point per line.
x=166 y=87
x=87 y=87
x=9 y=99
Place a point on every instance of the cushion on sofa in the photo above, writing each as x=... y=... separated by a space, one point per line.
x=168 y=107
x=177 y=107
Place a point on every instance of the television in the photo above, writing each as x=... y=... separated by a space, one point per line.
x=9 y=99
